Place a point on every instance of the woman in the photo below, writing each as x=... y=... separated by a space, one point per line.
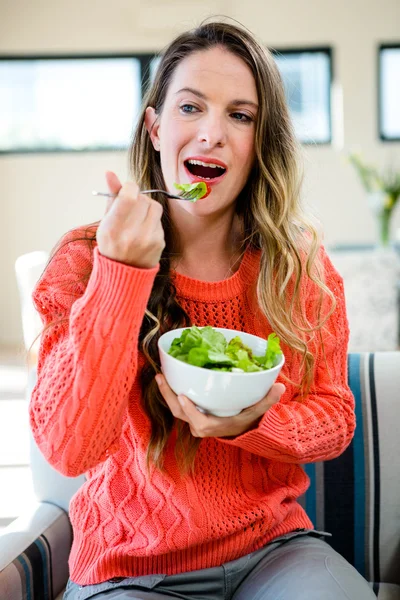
x=178 y=503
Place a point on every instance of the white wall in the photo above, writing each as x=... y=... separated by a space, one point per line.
x=42 y=196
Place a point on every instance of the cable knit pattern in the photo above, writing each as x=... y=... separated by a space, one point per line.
x=86 y=417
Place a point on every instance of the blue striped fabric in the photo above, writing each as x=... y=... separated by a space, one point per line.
x=26 y=579
x=36 y=563
x=40 y=571
x=344 y=497
x=45 y=553
x=311 y=495
x=342 y=487
x=359 y=467
x=355 y=496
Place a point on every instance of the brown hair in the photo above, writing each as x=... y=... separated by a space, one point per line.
x=269 y=207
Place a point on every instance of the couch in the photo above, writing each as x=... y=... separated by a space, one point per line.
x=356 y=497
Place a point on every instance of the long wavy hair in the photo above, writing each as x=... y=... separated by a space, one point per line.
x=271 y=213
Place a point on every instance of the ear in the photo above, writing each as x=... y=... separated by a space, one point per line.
x=152 y=126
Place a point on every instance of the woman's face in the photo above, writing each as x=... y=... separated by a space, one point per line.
x=208 y=118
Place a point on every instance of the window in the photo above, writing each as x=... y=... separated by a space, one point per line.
x=50 y=104
x=307 y=77
x=389 y=92
x=91 y=103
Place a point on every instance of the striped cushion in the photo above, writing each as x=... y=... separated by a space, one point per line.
x=41 y=571
x=356 y=497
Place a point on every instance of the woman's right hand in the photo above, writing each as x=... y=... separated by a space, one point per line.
x=131 y=232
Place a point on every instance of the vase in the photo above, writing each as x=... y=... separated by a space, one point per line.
x=382 y=204
x=384 y=227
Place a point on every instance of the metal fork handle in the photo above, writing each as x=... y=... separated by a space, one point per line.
x=175 y=196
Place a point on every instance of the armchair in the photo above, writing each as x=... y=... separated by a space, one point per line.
x=356 y=497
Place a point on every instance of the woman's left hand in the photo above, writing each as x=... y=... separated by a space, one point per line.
x=205 y=425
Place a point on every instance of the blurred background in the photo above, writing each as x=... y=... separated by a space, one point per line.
x=72 y=76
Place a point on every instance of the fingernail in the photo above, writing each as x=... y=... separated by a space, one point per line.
x=181 y=400
x=158 y=379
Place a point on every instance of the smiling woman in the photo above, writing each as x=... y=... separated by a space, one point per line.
x=177 y=502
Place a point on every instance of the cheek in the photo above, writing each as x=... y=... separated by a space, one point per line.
x=168 y=157
x=176 y=134
x=246 y=153
x=173 y=145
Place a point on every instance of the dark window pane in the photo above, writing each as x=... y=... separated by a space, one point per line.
x=389 y=93
x=307 y=79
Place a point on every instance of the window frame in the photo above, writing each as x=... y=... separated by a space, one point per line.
x=329 y=51
x=381 y=136
x=144 y=62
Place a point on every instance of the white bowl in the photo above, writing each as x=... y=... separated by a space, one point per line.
x=220 y=393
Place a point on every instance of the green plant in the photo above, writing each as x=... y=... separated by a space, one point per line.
x=387 y=183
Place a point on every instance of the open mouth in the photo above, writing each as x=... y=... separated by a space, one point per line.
x=205 y=171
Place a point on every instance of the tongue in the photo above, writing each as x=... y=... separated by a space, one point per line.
x=205 y=172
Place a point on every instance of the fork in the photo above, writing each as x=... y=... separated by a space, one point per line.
x=189 y=195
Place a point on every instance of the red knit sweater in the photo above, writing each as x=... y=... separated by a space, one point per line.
x=86 y=417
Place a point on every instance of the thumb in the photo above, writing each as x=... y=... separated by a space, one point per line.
x=276 y=391
x=114 y=185
x=273 y=397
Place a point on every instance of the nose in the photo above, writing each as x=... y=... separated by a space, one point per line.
x=212 y=131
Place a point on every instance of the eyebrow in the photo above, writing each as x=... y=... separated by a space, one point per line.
x=237 y=102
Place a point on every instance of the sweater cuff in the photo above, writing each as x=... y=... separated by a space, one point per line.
x=118 y=288
x=270 y=434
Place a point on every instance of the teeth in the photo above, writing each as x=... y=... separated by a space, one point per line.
x=203 y=164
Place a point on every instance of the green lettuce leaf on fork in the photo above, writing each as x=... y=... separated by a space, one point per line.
x=205 y=347
x=200 y=189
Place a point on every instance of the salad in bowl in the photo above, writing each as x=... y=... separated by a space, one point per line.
x=221 y=370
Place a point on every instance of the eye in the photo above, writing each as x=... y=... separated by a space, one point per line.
x=188 y=109
x=242 y=117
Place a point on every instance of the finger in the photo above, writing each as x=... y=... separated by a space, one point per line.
x=114 y=185
x=194 y=416
x=155 y=210
x=154 y=215
x=261 y=407
x=276 y=391
x=170 y=398
x=130 y=205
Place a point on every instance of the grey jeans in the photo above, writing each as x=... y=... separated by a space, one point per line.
x=297 y=566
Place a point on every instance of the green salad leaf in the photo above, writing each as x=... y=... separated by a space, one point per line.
x=198 y=189
x=205 y=347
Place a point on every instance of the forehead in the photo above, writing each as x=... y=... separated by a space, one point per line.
x=215 y=68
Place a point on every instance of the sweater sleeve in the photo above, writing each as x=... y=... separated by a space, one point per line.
x=320 y=426
x=88 y=354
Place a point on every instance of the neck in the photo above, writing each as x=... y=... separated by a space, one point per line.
x=209 y=247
